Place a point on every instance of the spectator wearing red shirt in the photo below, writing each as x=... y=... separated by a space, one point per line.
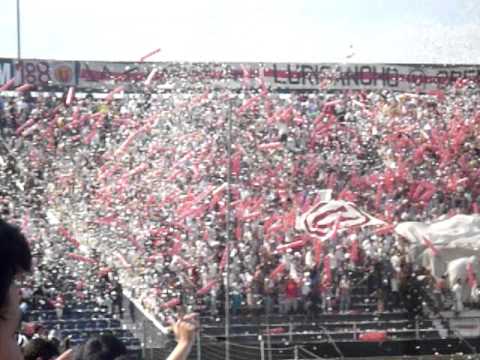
x=291 y=296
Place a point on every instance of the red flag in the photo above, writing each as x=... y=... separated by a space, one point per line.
x=293 y=245
x=81 y=258
x=475 y=208
x=430 y=245
x=389 y=181
x=122 y=260
x=133 y=240
x=111 y=94
x=7 y=85
x=317 y=250
x=277 y=271
x=25 y=125
x=248 y=104
x=217 y=194
x=402 y=173
x=238 y=232
x=290 y=219
x=386 y=230
x=439 y=94
x=354 y=255
x=327 y=271
x=471 y=278
x=306 y=205
x=66 y=234
x=104 y=271
x=268 y=223
x=171 y=303
x=150 y=54
x=270 y=146
x=275 y=331
x=203 y=291
x=70 y=95
x=378 y=197
x=176 y=248
x=336 y=226
x=347 y=195
x=236 y=161
x=24 y=88
x=430 y=190
x=224 y=259
x=332 y=181
x=250 y=217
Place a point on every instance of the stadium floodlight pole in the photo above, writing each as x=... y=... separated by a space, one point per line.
x=229 y=231
x=19 y=42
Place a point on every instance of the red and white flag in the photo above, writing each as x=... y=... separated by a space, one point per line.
x=326 y=218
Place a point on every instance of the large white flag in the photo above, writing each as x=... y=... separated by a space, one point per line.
x=440 y=242
x=459 y=231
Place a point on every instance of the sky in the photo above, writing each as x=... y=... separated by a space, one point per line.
x=407 y=31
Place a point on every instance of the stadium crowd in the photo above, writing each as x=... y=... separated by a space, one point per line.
x=132 y=190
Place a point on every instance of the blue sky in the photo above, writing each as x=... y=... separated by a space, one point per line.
x=437 y=31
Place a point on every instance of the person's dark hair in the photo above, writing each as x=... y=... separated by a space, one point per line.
x=40 y=348
x=103 y=347
x=15 y=258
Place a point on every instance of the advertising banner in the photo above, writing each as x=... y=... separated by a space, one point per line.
x=132 y=76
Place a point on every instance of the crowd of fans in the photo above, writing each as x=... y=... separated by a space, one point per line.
x=131 y=190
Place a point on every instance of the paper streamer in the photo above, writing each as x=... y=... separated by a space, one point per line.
x=110 y=95
x=127 y=142
x=224 y=259
x=139 y=169
x=471 y=278
x=295 y=245
x=385 y=230
x=24 y=88
x=176 y=248
x=327 y=271
x=248 y=104
x=151 y=76
x=270 y=146
x=171 y=303
x=317 y=249
x=81 y=258
x=122 y=259
x=104 y=271
x=277 y=271
x=150 y=54
x=275 y=331
x=7 y=85
x=70 y=95
x=206 y=289
x=90 y=136
x=25 y=125
x=66 y=234
x=354 y=251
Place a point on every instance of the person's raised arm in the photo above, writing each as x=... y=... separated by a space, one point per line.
x=67 y=355
x=185 y=330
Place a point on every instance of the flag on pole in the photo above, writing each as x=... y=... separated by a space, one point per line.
x=459 y=231
x=326 y=218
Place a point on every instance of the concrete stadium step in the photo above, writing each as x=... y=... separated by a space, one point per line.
x=319 y=317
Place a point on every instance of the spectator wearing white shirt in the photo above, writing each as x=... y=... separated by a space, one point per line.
x=457 y=290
